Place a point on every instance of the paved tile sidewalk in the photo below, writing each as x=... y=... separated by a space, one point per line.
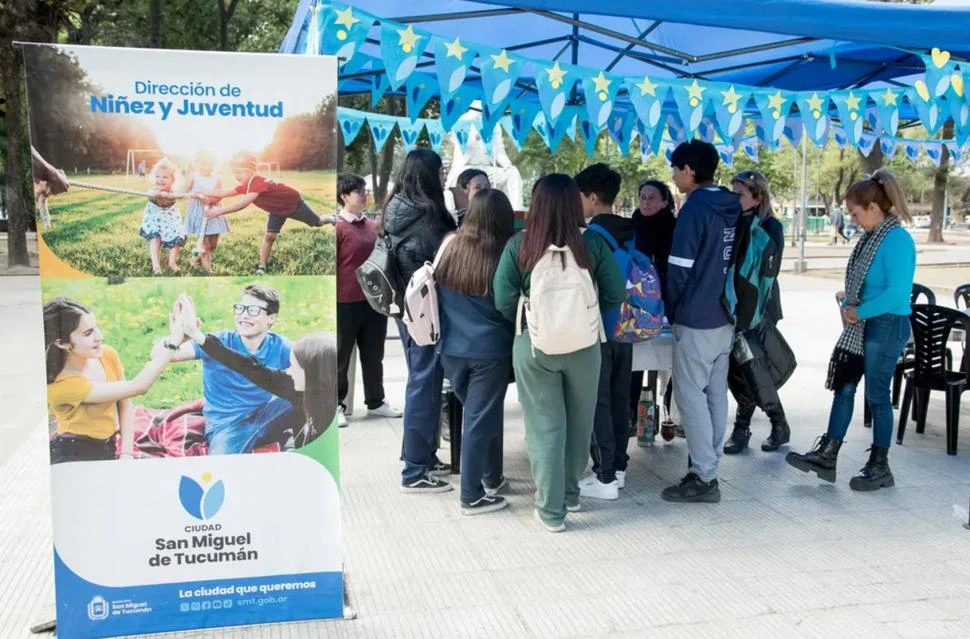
x=783 y=555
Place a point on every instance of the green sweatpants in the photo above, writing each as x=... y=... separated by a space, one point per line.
x=558 y=396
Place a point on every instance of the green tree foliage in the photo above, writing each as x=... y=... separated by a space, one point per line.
x=304 y=142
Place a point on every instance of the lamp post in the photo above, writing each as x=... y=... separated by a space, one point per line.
x=800 y=264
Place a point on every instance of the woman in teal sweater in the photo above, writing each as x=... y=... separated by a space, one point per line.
x=875 y=314
x=557 y=392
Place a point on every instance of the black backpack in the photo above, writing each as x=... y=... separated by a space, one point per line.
x=380 y=279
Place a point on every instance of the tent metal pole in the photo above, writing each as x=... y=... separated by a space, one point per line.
x=629 y=47
x=686 y=57
x=753 y=49
x=648 y=59
x=801 y=265
x=457 y=15
x=574 y=55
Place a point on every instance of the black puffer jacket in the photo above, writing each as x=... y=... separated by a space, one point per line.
x=415 y=233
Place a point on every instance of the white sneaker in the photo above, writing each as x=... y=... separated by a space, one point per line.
x=492 y=492
x=588 y=480
x=341 y=418
x=621 y=479
x=599 y=490
x=384 y=410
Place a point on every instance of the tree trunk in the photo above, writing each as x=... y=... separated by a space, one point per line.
x=225 y=16
x=939 y=189
x=18 y=211
x=155 y=19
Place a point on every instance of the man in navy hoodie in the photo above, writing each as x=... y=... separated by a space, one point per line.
x=702 y=324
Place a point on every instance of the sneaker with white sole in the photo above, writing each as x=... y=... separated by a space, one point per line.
x=621 y=479
x=492 y=491
x=426 y=484
x=574 y=508
x=486 y=504
x=384 y=410
x=341 y=417
x=439 y=468
x=600 y=490
x=553 y=528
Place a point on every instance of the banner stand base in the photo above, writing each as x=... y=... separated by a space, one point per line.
x=50 y=626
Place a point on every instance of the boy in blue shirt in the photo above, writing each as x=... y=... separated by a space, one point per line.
x=238 y=414
x=703 y=327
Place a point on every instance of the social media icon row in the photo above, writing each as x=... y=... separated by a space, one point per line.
x=196 y=606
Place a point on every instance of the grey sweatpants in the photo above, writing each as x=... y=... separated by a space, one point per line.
x=701 y=359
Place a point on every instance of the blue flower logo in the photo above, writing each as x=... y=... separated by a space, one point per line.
x=200 y=502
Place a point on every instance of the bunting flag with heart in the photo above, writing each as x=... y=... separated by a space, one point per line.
x=750 y=148
x=421 y=87
x=814 y=109
x=381 y=128
x=962 y=135
x=380 y=85
x=726 y=153
x=436 y=133
x=867 y=143
x=647 y=96
x=490 y=122
x=934 y=151
x=410 y=132
x=707 y=130
x=500 y=71
x=794 y=131
x=888 y=146
x=954 y=151
x=926 y=107
x=650 y=138
x=566 y=125
x=691 y=102
x=343 y=30
x=506 y=124
x=554 y=84
x=852 y=107
x=401 y=49
x=912 y=150
x=774 y=106
x=351 y=122
x=523 y=117
x=887 y=108
x=462 y=130
x=840 y=136
x=939 y=68
x=452 y=61
x=957 y=98
x=728 y=106
x=458 y=105
x=620 y=126
x=600 y=90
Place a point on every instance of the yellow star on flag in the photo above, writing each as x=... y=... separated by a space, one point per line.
x=346 y=18
x=776 y=102
x=815 y=102
x=889 y=98
x=731 y=97
x=502 y=60
x=647 y=87
x=602 y=83
x=455 y=50
x=408 y=39
x=695 y=91
x=556 y=76
x=852 y=101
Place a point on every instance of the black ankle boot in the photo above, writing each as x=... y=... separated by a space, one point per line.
x=779 y=436
x=820 y=460
x=876 y=473
x=738 y=440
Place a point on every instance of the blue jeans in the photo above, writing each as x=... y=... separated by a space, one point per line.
x=244 y=435
x=480 y=384
x=886 y=336
x=422 y=406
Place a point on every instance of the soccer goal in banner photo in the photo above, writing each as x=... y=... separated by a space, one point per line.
x=138 y=162
x=270 y=168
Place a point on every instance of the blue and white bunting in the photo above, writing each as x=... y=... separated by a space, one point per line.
x=750 y=148
x=523 y=117
x=887 y=103
x=351 y=122
x=401 y=50
x=814 y=109
x=840 y=136
x=728 y=102
x=343 y=30
x=867 y=143
x=690 y=100
x=620 y=126
x=600 y=90
x=912 y=150
x=926 y=107
x=436 y=133
x=381 y=128
x=458 y=105
x=852 y=107
x=499 y=71
x=939 y=69
x=554 y=83
x=462 y=130
x=452 y=61
x=888 y=146
x=934 y=151
x=647 y=95
x=421 y=87
x=410 y=132
x=590 y=132
x=774 y=106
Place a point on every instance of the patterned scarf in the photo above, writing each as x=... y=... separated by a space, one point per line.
x=848 y=364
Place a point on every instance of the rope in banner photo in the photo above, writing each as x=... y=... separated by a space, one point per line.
x=523 y=93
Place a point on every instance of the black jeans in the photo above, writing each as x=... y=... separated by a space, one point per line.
x=611 y=425
x=358 y=324
x=72 y=448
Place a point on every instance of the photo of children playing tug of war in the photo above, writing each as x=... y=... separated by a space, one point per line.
x=145 y=369
x=127 y=193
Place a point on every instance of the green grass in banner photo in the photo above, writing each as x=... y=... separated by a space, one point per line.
x=132 y=315
x=97 y=232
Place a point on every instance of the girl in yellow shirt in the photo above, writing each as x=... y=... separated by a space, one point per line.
x=86 y=385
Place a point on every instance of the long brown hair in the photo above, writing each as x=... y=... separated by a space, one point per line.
x=61 y=318
x=882 y=188
x=555 y=217
x=470 y=259
x=419 y=181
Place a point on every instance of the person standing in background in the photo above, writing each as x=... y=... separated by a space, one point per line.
x=357 y=323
